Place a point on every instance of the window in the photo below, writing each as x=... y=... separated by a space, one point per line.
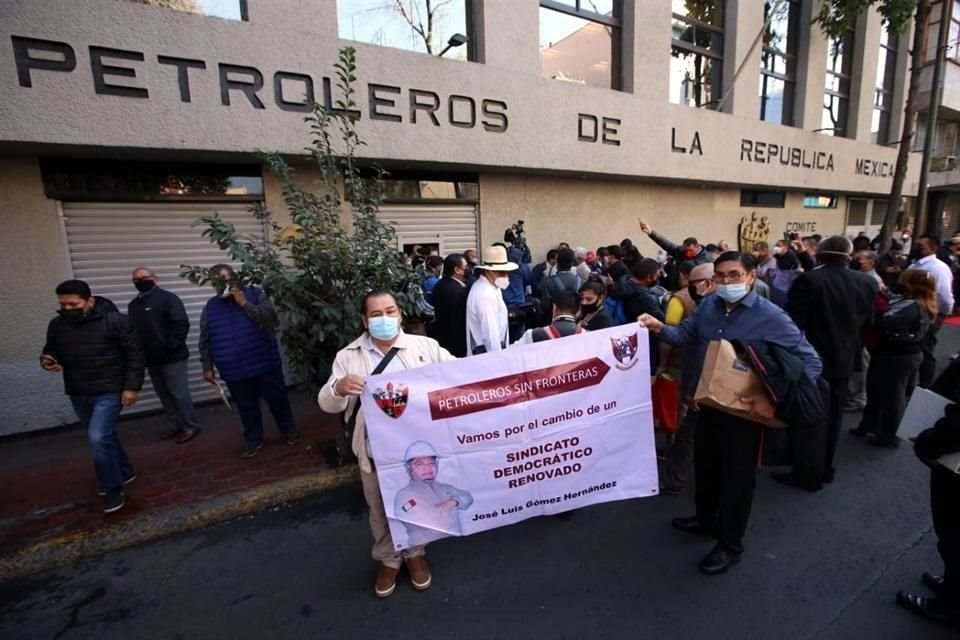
x=818 y=201
x=883 y=93
x=697 y=53
x=229 y=9
x=138 y=181
x=580 y=41
x=778 y=75
x=933 y=32
x=758 y=198
x=434 y=27
x=836 y=94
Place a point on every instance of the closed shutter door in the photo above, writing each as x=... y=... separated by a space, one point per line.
x=108 y=241
x=451 y=226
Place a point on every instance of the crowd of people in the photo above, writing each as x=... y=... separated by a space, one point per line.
x=832 y=324
x=860 y=326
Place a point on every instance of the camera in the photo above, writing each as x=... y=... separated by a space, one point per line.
x=516 y=236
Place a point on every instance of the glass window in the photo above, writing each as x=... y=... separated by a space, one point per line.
x=778 y=73
x=817 y=201
x=758 y=198
x=580 y=41
x=933 y=32
x=696 y=53
x=230 y=9
x=137 y=181
x=836 y=95
x=439 y=28
x=883 y=93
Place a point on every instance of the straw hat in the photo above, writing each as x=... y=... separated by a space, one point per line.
x=495 y=259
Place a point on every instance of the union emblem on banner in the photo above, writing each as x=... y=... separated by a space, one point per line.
x=393 y=400
x=625 y=351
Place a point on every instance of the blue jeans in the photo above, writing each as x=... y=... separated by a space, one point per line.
x=172 y=386
x=98 y=414
x=247 y=393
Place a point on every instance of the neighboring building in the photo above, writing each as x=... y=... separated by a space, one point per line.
x=121 y=122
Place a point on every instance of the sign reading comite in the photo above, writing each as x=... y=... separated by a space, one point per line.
x=474 y=444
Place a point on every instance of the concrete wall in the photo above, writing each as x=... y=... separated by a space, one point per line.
x=543 y=115
x=600 y=213
x=33 y=260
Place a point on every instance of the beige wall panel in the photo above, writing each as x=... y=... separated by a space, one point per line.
x=596 y=213
x=63 y=108
x=33 y=261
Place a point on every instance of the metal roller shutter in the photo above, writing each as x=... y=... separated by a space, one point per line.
x=452 y=226
x=108 y=240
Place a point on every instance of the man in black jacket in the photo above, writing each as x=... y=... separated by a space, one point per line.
x=941 y=440
x=102 y=364
x=450 y=306
x=161 y=321
x=832 y=305
x=638 y=298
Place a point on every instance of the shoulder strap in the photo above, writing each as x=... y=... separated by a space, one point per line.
x=554 y=334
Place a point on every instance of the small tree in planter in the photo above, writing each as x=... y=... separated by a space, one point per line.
x=316 y=271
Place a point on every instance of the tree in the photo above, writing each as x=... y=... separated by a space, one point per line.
x=835 y=18
x=704 y=11
x=316 y=271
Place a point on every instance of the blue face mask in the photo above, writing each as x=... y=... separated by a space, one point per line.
x=384 y=327
x=732 y=292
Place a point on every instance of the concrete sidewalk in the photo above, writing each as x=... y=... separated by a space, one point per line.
x=50 y=512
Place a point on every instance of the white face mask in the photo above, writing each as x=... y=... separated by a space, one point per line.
x=777 y=251
x=502 y=282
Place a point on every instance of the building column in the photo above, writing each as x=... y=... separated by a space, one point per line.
x=505 y=34
x=645 y=49
x=901 y=85
x=298 y=15
x=866 y=55
x=742 y=26
x=811 y=72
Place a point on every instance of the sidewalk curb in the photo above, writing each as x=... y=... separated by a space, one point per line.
x=70 y=548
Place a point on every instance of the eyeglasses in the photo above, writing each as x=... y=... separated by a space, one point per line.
x=731 y=277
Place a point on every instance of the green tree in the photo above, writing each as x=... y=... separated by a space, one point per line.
x=316 y=270
x=835 y=18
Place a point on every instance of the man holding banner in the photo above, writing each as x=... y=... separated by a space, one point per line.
x=727 y=447
x=383 y=348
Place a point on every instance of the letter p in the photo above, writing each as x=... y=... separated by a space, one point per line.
x=65 y=60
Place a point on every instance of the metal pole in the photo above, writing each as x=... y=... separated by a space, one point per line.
x=936 y=92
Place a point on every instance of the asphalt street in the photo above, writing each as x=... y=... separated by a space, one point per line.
x=821 y=565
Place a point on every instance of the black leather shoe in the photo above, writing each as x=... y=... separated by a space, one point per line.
x=691 y=525
x=187 y=435
x=791 y=480
x=719 y=561
x=933 y=582
x=930 y=608
x=829 y=475
x=861 y=432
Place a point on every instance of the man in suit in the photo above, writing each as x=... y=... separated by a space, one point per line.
x=450 y=306
x=831 y=305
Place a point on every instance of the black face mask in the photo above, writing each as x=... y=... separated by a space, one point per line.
x=590 y=308
x=694 y=295
x=144 y=285
x=73 y=316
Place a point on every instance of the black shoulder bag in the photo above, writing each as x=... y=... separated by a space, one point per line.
x=345 y=436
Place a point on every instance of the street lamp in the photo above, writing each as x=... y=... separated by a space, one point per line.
x=456 y=40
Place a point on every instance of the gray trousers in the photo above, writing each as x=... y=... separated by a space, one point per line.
x=383 y=550
x=679 y=458
x=171 y=384
x=857 y=388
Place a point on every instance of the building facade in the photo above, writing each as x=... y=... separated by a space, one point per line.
x=121 y=122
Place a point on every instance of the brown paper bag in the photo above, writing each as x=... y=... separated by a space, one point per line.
x=725 y=379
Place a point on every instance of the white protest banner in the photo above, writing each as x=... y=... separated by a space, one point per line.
x=491 y=440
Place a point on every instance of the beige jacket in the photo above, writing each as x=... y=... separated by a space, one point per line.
x=413 y=351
